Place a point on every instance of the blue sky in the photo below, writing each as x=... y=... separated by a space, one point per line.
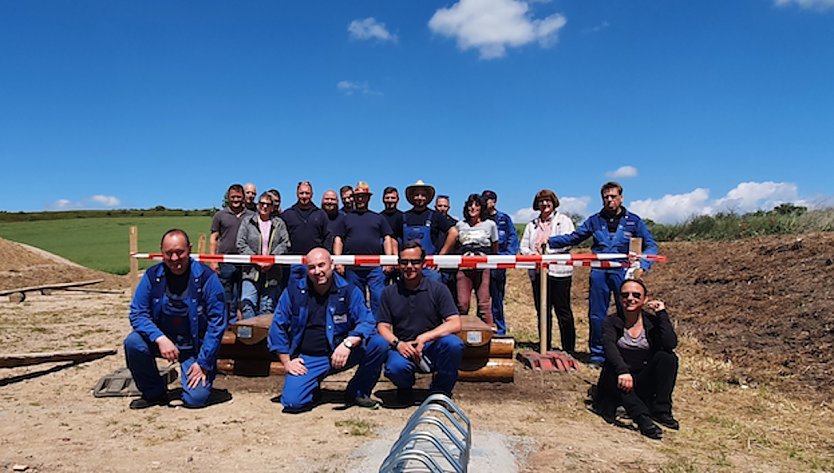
x=696 y=107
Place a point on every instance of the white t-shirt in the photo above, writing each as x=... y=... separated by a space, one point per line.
x=479 y=237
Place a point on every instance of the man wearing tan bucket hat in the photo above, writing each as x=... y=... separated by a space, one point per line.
x=423 y=225
x=364 y=232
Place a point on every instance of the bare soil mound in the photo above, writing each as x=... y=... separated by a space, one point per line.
x=22 y=266
x=765 y=304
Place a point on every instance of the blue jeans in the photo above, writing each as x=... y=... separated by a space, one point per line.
x=445 y=354
x=602 y=283
x=297 y=394
x=256 y=299
x=497 y=286
x=230 y=277
x=371 y=278
x=141 y=354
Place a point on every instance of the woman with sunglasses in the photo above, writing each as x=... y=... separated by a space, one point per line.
x=551 y=222
x=477 y=235
x=640 y=365
x=261 y=234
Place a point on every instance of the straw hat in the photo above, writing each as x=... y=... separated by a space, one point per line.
x=419 y=185
x=362 y=188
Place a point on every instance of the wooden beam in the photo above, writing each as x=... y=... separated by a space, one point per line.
x=60 y=285
x=26 y=359
x=94 y=290
x=134 y=263
x=201 y=244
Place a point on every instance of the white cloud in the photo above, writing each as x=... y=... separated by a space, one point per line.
x=752 y=196
x=623 y=172
x=106 y=200
x=369 y=29
x=571 y=205
x=597 y=28
x=491 y=26
x=62 y=204
x=672 y=208
x=806 y=4
x=352 y=87
x=745 y=197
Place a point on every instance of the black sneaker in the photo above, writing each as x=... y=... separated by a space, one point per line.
x=143 y=403
x=649 y=428
x=666 y=420
x=362 y=401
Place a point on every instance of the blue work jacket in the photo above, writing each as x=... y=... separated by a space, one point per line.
x=346 y=315
x=206 y=309
x=630 y=226
x=507 y=236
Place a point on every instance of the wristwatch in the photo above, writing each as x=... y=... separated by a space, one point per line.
x=349 y=344
x=394 y=343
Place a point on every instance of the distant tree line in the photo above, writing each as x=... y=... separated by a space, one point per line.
x=158 y=211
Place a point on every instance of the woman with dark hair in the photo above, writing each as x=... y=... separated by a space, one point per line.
x=477 y=235
x=551 y=222
x=640 y=365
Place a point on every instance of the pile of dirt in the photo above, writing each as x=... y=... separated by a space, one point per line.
x=23 y=266
x=764 y=304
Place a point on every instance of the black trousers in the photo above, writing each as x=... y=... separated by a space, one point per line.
x=558 y=295
x=653 y=386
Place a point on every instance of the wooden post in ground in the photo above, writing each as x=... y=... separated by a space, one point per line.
x=635 y=246
x=134 y=263
x=201 y=244
x=543 y=309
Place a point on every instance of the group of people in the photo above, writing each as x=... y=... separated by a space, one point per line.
x=328 y=318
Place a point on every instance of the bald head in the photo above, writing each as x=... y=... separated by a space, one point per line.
x=249 y=193
x=320 y=269
x=330 y=201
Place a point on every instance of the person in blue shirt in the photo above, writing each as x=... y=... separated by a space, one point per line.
x=423 y=225
x=178 y=313
x=507 y=245
x=322 y=326
x=612 y=229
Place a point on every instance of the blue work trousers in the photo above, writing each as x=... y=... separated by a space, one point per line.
x=445 y=355
x=257 y=299
x=230 y=277
x=297 y=394
x=141 y=354
x=497 y=286
x=370 y=279
x=603 y=283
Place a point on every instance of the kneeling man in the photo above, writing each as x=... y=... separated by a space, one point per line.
x=322 y=326
x=419 y=320
x=178 y=313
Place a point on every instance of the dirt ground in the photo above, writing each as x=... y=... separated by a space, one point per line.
x=753 y=393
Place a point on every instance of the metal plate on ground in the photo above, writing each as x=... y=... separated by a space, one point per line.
x=120 y=383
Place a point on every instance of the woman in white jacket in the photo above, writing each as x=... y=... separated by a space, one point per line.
x=551 y=222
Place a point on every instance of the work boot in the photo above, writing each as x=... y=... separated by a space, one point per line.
x=649 y=428
x=362 y=400
x=666 y=420
x=143 y=403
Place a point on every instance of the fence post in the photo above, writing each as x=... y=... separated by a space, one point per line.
x=201 y=244
x=134 y=263
x=543 y=309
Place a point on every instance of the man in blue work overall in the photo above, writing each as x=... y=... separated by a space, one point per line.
x=178 y=313
x=364 y=232
x=422 y=224
x=322 y=326
x=507 y=245
x=612 y=229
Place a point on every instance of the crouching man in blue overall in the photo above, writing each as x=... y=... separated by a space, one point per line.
x=322 y=326
x=178 y=313
x=418 y=319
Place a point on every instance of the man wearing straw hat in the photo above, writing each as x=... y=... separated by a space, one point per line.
x=423 y=225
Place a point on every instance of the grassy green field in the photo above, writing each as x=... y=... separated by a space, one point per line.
x=102 y=243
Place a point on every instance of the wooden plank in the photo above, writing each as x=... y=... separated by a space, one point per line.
x=93 y=290
x=26 y=359
x=61 y=285
x=134 y=263
x=499 y=370
x=201 y=244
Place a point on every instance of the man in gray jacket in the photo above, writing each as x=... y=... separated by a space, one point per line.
x=261 y=234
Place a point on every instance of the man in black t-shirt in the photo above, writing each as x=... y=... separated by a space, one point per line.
x=419 y=320
x=306 y=225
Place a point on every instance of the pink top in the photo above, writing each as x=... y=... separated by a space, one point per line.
x=266 y=226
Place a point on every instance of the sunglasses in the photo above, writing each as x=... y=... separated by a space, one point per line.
x=636 y=295
x=265 y=204
x=413 y=262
